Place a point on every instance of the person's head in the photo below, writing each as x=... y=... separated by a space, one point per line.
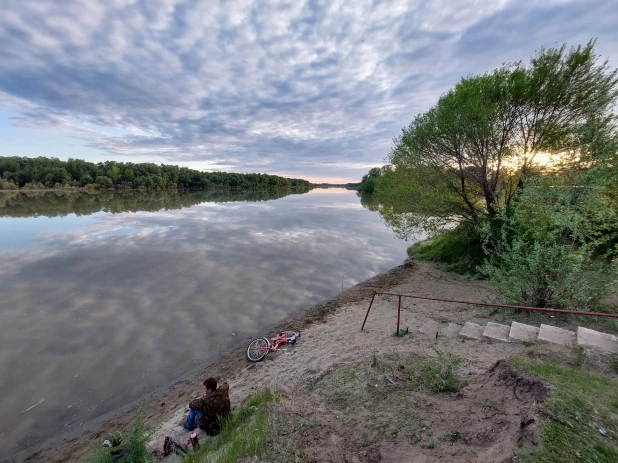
x=210 y=385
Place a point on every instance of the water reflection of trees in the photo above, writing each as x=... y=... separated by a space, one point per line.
x=60 y=203
x=404 y=216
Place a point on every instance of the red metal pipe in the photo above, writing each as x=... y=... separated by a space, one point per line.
x=398 y=313
x=367 y=314
x=518 y=307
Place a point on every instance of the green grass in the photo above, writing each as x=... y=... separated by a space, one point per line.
x=245 y=434
x=133 y=445
x=310 y=424
x=580 y=405
x=440 y=374
x=448 y=437
x=458 y=250
x=380 y=426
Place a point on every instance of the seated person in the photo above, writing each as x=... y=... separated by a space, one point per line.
x=210 y=408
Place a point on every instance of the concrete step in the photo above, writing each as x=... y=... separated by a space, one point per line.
x=450 y=331
x=602 y=341
x=495 y=332
x=523 y=333
x=557 y=335
x=472 y=331
x=429 y=329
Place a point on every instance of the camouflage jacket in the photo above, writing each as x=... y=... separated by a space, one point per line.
x=215 y=406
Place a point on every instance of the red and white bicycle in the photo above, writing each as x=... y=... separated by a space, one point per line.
x=260 y=347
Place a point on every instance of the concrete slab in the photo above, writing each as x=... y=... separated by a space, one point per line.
x=429 y=329
x=450 y=330
x=496 y=332
x=602 y=341
x=556 y=335
x=472 y=331
x=523 y=333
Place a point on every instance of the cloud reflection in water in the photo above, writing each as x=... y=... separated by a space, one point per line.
x=107 y=310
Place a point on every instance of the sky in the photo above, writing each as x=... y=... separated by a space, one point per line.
x=308 y=89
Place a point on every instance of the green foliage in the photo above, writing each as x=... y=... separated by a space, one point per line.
x=245 y=434
x=52 y=172
x=465 y=157
x=460 y=249
x=549 y=275
x=439 y=374
x=553 y=246
x=368 y=183
x=448 y=437
x=7 y=185
x=580 y=405
x=133 y=448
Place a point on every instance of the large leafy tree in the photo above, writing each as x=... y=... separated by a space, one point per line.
x=469 y=153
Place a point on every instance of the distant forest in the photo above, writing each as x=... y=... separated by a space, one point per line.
x=42 y=172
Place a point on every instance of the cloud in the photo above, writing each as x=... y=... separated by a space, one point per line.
x=314 y=89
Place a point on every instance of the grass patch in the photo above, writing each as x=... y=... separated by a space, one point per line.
x=429 y=445
x=440 y=374
x=448 y=437
x=380 y=426
x=132 y=448
x=310 y=424
x=245 y=434
x=581 y=404
x=458 y=250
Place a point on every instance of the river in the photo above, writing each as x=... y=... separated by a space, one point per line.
x=104 y=298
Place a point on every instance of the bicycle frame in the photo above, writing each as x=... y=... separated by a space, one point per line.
x=275 y=343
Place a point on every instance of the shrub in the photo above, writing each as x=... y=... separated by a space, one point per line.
x=546 y=249
x=549 y=275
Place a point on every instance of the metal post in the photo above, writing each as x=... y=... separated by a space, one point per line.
x=398 y=313
x=367 y=314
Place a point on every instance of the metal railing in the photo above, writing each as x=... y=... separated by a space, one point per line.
x=504 y=306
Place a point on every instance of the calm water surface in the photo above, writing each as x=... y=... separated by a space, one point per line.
x=103 y=298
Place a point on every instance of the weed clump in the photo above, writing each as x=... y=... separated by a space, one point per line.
x=440 y=374
x=133 y=449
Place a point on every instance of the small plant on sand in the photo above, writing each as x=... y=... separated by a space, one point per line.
x=429 y=445
x=449 y=437
x=374 y=359
x=439 y=374
x=132 y=449
x=309 y=424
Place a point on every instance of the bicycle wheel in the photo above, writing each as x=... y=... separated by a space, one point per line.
x=258 y=349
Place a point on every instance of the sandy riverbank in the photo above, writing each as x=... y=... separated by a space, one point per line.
x=331 y=338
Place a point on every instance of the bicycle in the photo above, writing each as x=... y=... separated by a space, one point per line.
x=260 y=347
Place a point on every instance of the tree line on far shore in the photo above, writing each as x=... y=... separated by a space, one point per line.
x=43 y=172
x=514 y=176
